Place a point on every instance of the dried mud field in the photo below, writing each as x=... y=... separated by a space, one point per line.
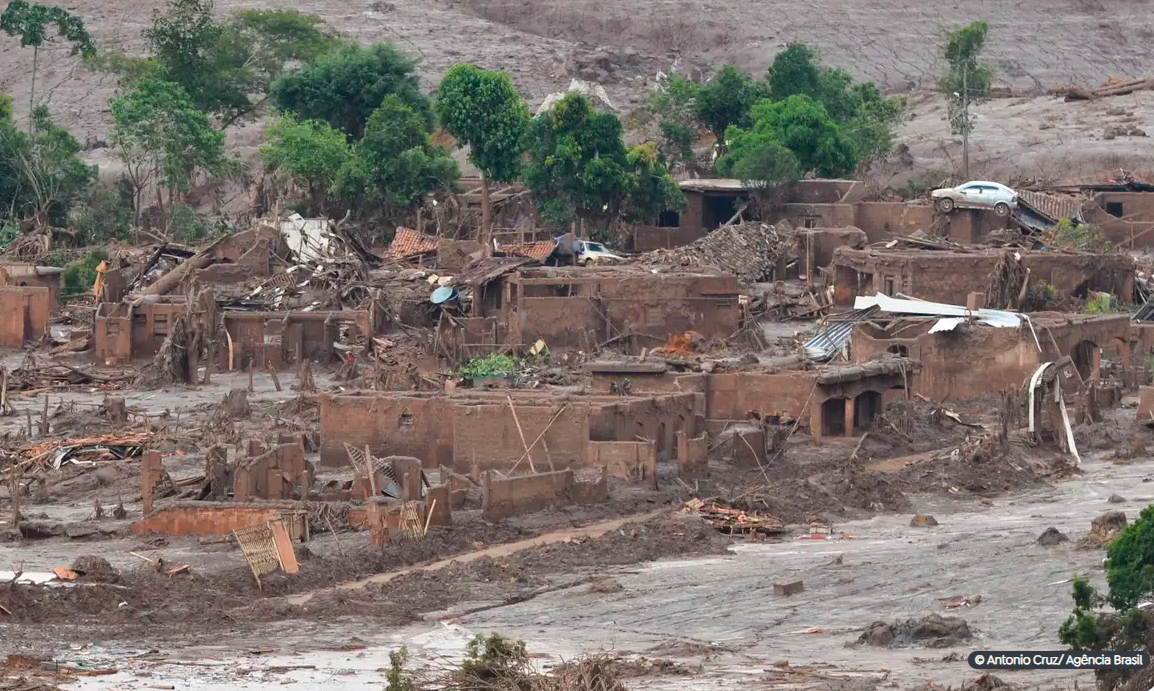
x=676 y=603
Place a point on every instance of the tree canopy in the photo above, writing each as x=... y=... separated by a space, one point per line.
x=41 y=173
x=309 y=154
x=483 y=110
x=727 y=101
x=346 y=87
x=395 y=163
x=966 y=79
x=578 y=168
x=800 y=125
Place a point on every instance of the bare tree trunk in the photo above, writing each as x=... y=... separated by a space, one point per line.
x=486 y=218
x=32 y=91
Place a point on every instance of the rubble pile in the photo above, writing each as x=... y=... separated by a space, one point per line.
x=734 y=521
x=749 y=251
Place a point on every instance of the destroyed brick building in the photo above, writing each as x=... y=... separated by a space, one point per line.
x=947 y=276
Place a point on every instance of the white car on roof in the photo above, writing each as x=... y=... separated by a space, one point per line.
x=977 y=194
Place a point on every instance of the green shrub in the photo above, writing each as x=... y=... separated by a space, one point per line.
x=1130 y=562
x=493 y=365
x=186 y=226
x=103 y=213
x=79 y=276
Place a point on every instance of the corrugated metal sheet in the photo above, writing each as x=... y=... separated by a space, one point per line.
x=832 y=339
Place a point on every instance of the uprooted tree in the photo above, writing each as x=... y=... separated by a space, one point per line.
x=483 y=110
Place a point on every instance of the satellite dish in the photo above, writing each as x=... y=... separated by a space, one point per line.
x=443 y=294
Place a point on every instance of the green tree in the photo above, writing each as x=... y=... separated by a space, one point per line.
x=759 y=160
x=226 y=67
x=726 y=101
x=1130 y=562
x=576 y=165
x=649 y=189
x=800 y=125
x=41 y=174
x=966 y=80
x=31 y=23
x=395 y=163
x=344 y=88
x=483 y=110
x=674 y=108
x=164 y=140
x=308 y=154
x=578 y=168
x=866 y=117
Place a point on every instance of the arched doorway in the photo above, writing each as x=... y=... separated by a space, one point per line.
x=866 y=408
x=1085 y=357
x=833 y=417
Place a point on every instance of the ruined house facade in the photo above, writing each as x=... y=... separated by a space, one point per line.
x=571 y=308
x=942 y=276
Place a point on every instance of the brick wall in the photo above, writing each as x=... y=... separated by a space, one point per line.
x=24 y=313
x=528 y=494
x=731 y=396
x=658 y=419
x=650 y=238
x=487 y=435
x=561 y=322
x=820 y=215
x=203 y=518
x=281 y=339
x=398 y=425
x=631 y=461
x=692 y=457
x=949 y=276
x=881 y=220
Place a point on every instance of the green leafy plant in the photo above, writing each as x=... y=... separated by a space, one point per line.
x=163 y=139
x=486 y=367
x=494 y=662
x=395 y=164
x=727 y=101
x=79 y=276
x=1130 y=562
x=1102 y=303
x=308 y=154
x=398 y=678
x=673 y=106
x=41 y=174
x=186 y=226
x=967 y=79
x=483 y=110
x=344 y=88
x=104 y=212
x=800 y=125
x=226 y=67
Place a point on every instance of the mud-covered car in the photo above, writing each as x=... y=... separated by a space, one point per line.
x=978 y=194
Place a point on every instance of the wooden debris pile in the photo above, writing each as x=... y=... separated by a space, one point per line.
x=750 y=251
x=86 y=451
x=734 y=521
x=1112 y=87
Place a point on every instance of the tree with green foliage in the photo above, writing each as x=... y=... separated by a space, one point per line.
x=308 y=154
x=966 y=80
x=346 y=87
x=673 y=105
x=41 y=174
x=225 y=66
x=395 y=163
x=649 y=189
x=727 y=101
x=31 y=23
x=1130 y=562
x=865 y=116
x=579 y=169
x=165 y=141
x=759 y=160
x=483 y=110
x=798 y=124
x=79 y=276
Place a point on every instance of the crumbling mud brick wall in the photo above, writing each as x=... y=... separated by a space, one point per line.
x=815 y=246
x=530 y=493
x=733 y=396
x=657 y=418
x=31 y=276
x=204 y=518
x=692 y=457
x=584 y=308
x=1126 y=218
x=882 y=220
x=649 y=238
x=278 y=474
x=947 y=276
x=631 y=461
x=125 y=331
x=255 y=262
x=980 y=360
x=24 y=312
x=469 y=337
x=283 y=339
x=1142 y=353
x=485 y=434
x=400 y=425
